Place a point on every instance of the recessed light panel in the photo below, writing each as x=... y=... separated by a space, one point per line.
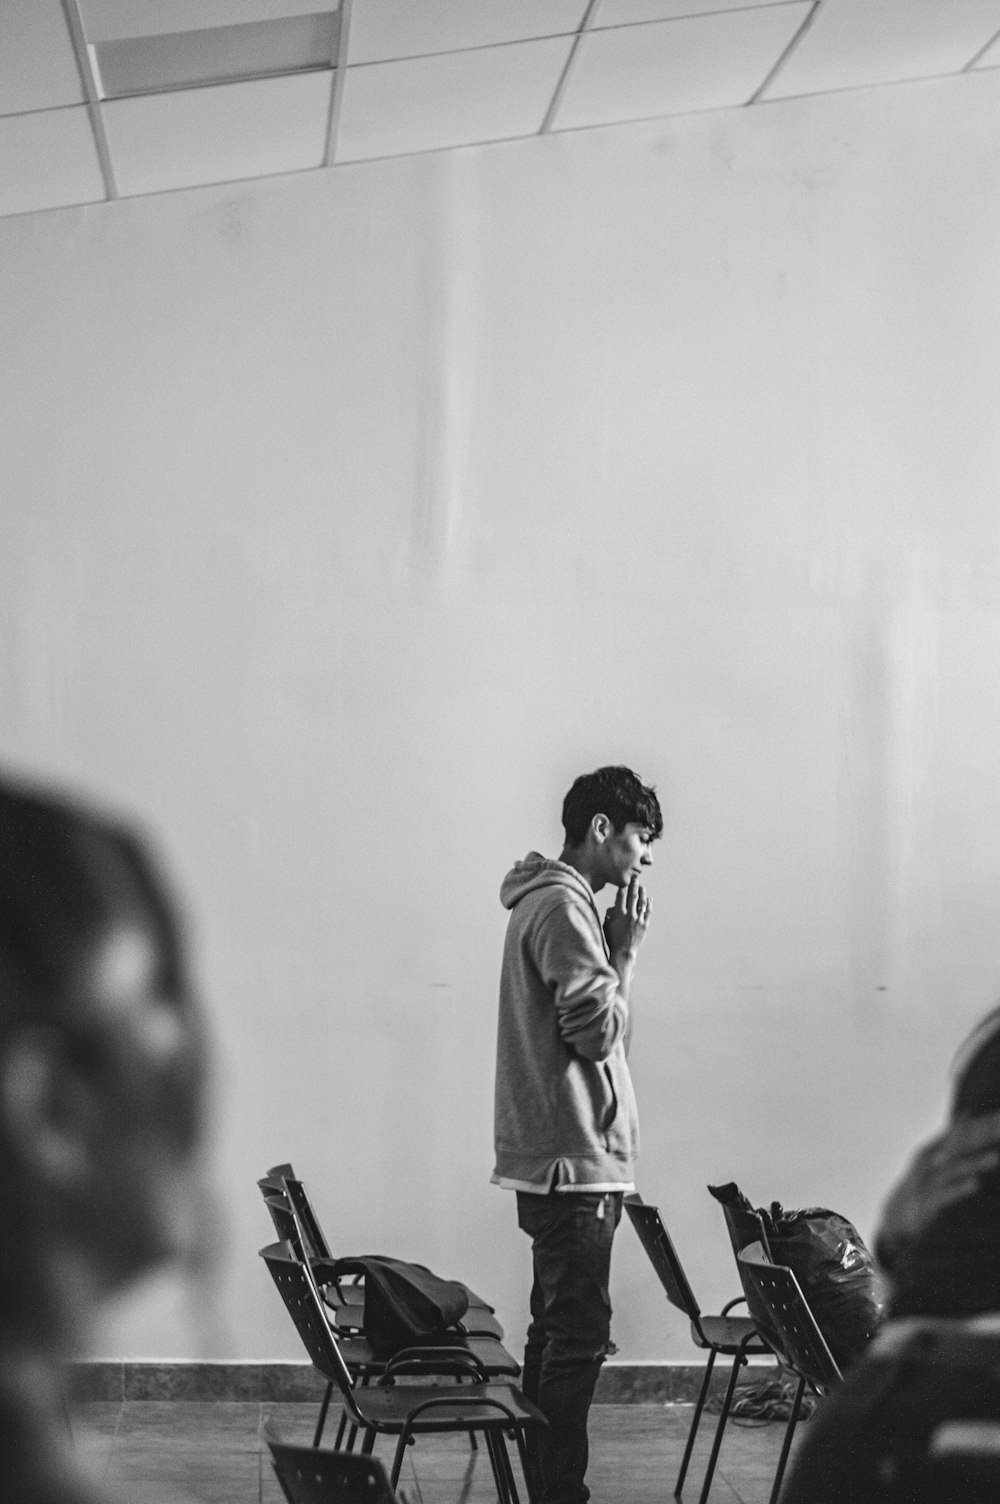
x=220 y=54
x=109 y=20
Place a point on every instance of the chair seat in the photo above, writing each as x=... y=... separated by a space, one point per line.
x=343 y=1295
x=728 y=1334
x=494 y=1357
x=477 y=1321
x=388 y=1407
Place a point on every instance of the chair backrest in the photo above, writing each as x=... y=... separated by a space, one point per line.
x=745 y=1226
x=272 y=1183
x=663 y=1256
x=310 y=1476
x=305 y=1306
x=315 y=1243
x=774 y=1292
x=285 y=1224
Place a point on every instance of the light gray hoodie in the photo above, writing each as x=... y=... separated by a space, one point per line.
x=564 y=1107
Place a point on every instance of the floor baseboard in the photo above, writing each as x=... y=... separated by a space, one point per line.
x=283 y=1383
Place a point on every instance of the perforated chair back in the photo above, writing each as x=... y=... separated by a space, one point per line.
x=313 y=1239
x=776 y=1291
x=663 y=1256
x=309 y=1476
x=305 y=1306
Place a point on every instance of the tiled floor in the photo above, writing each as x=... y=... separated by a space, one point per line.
x=185 y=1452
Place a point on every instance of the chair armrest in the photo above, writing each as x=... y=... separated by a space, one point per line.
x=737 y=1300
x=456 y=1360
x=326 y=1271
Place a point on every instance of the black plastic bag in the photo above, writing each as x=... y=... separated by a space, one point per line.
x=838 y=1275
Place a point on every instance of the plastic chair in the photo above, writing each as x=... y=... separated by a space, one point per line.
x=478 y=1321
x=744 y=1225
x=774 y=1291
x=308 y=1476
x=494 y=1411
x=346 y=1303
x=346 y=1312
x=729 y=1336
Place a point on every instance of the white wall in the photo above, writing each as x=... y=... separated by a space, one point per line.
x=346 y=518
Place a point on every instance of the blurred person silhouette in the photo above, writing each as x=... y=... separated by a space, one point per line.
x=102 y=1087
x=937 y=1359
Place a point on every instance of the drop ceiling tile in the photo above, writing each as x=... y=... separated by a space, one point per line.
x=37 y=66
x=385 y=29
x=673 y=67
x=218 y=135
x=104 y=20
x=852 y=43
x=627 y=12
x=48 y=160
x=451 y=99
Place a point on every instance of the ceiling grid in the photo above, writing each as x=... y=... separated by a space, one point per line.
x=201 y=91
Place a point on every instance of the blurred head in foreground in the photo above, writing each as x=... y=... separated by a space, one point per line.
x=101 y=1092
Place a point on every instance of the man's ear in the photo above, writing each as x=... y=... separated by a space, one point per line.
x=601 y=828
x=46 y=1107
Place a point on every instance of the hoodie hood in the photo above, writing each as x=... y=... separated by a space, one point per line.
x=537 y=871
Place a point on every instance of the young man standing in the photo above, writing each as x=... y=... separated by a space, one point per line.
x=565 y=1121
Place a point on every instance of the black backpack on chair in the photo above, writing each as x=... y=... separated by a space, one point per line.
x=405 y=1304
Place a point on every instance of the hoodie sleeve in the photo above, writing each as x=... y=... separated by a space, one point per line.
x=593 y=1015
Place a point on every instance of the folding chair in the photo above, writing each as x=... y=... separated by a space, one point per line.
x=494 y=1411
x=478 y=1321
x=357 y=1351
x=336 y=1292
x=731 y=1336
x=308 y=1476
x=744 y=1225
x=346 y=1302
x=775 y=1296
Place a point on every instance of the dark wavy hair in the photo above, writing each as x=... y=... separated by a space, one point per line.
x=613 y=791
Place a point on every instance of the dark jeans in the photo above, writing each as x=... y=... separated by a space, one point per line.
x=571 y=1236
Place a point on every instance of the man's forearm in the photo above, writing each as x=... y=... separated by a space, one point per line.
x=624 y=965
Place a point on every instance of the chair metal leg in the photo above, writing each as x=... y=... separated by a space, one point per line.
x=352 y=1434
x=397 y=1461
x=695 y=1422
x=738 y=1363
x=508 y=1466
x=322 y=1414
x=531 y=1486
x=500 y=1464
x=787 y=1443
x=337 y=1445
